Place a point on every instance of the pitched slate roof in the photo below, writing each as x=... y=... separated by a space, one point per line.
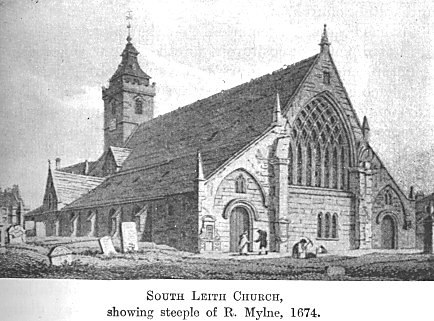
x=120 y=154
x=69 y=186
x=37 y=211
x=78 y=168
x=129 y=65
x=163 y=157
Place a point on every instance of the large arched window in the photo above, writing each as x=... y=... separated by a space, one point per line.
x=321 y=150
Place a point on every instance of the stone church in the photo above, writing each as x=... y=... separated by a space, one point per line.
x=284 y=153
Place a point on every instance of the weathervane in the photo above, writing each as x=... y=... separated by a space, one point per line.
x=129 y=17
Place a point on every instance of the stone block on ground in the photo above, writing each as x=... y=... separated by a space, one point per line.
x=106 y=244
x=129 y=238
x=60 y=255
x=335 y=270
x=17 y=235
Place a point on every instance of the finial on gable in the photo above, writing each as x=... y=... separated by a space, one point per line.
x=277 y=112
x=324 y=44
x=365 y=129
x=199 y=167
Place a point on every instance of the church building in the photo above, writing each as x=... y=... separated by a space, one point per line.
x=284 y=153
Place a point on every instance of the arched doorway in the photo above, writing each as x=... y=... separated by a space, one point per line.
x=388 y=237
x=239 y=223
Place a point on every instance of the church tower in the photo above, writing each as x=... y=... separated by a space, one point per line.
x=128 y=100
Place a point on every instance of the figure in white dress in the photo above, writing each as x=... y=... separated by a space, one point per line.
x=243 y=243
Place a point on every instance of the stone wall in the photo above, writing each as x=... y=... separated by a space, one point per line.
x=304 y=205
x=219 y=195
x=402 y=209
x=171 y=221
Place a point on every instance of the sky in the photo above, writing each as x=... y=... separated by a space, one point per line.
x=56 y=56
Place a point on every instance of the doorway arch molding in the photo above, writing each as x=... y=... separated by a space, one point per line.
x=253 y=212
x=394 y=216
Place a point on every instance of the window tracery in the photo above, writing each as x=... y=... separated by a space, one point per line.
x=320 y=148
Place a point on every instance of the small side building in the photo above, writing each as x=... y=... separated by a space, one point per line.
x=12 y=208
x=424 y=222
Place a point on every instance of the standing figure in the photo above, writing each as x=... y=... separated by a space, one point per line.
x=263 y=243
x=243 y=243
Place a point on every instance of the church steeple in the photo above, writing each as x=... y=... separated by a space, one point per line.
x=129 y=64
x=324 y=44
x=129 y=99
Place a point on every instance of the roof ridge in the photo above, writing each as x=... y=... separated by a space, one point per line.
x=55 y=171
x=227 y=91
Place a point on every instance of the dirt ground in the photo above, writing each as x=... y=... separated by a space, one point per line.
x=161 y=262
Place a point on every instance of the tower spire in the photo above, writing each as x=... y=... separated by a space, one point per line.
x=324 y=44
x=129 y=17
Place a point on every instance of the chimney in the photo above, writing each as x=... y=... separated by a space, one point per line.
x=58 y=163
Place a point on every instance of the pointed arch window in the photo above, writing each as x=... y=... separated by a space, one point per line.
x=324 y=162
x=240 y=184
x=334 y=233
x=388 y=198
x=327 y=226
x=51 y=201
x=139 y=106
x=319 y=227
